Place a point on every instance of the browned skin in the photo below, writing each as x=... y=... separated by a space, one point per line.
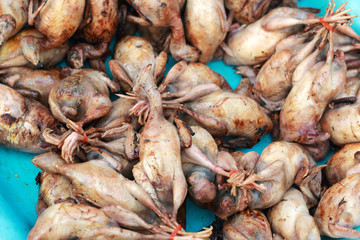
x=308 y=99
x=341 y=162
x=24 y=50
x=13 y=17
x=280 y=165
x=338 y=210
x=157 y=36
x=101 y=19
x=291 y=219
x=22 y=121
x=7 y=73
x=195 y=74
x=202 y=35
x=54 y=188
x=113 y=153
x=165 y=13
x=280 y=68
x=240 y=116
x=81 y=98
x=118 y=115
x=159 y=149
x=56 y=20
x=36 y=84
x=248 y=224
x=247 y=11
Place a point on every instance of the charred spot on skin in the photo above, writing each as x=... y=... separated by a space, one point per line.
x=262 y=130
x=140 y=13
x=105 y=3
x=8 y=119
x=147 y=140
x=38 y=178
x=239 y=123
x=104 y=13
x=73 y=238
x=163 y=5
x=342 y=202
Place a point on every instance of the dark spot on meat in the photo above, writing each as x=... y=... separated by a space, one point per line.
x=147 y=140
x=38 y=179
x=239 y=123
x=39 y=126
x=342 y=202
x=104 y=13
x=8 y=119
x=73 y=238
x=163 y=5
x=105 y=3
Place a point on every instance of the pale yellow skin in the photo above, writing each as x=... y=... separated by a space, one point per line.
x=253 y=44
x=18 y=10
x=242 y=116
x=342 y=124
x=308 y=99
x=247 y=225
x=342 y=161
x=291 y=218
x=58 y=20
x=195 y=74
x=202 y=35
x=11 y=53
x=281 y=164
x=95 y=182
x=351 y=88
x=338 y=209
x=132 y=54
x=67 y=220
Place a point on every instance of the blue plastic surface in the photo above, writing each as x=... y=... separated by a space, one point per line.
x=19 y=192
